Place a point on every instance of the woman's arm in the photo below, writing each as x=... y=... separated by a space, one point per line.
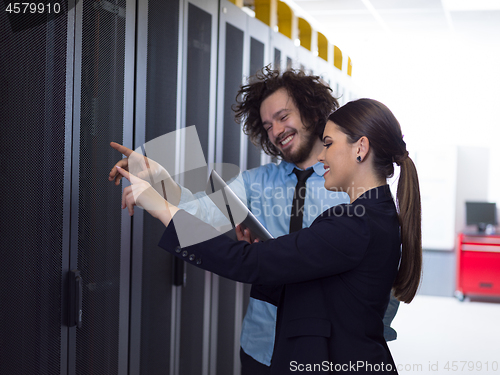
x=146 y=169
x=330 y=246
x=198 y=204
x=140 y=193
x=326 y=248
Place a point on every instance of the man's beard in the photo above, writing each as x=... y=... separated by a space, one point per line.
x=303 y=152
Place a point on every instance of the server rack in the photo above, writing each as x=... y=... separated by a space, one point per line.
x=155 y=298
x=35 y=80
x=100 y=233
x=227 y=295
x=65 y=303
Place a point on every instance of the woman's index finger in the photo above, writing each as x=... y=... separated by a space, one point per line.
x=122 y=149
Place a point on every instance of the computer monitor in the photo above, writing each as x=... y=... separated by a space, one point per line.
x=481 y=214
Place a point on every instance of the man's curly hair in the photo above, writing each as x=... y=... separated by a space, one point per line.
x=310 y=94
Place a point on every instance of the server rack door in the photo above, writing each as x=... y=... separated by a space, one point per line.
x=324 y=70
x=100 y=245
x=228 y=309
x=258 y=57
x=154 y=298
x=257 y=49
x=306 y=58
x=199 y=33
x=277 y=58
x=258 y=35
x=35 y=64
x=287 y=51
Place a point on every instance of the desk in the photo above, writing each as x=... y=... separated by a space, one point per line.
x=478 y=265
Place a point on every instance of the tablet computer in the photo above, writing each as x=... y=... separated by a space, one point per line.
x=234 y=209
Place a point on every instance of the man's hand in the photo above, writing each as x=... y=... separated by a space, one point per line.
x=245 y=235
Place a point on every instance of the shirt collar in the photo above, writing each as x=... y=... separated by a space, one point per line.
x=318 y=168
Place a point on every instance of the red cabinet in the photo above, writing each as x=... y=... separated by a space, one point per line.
x=478 y=265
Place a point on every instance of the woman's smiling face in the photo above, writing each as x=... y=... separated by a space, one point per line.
x=338 y=157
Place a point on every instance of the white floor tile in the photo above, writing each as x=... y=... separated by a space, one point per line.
x=437 y=333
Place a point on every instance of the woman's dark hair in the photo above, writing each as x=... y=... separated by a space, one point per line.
x=310 y=94
x=372 y=119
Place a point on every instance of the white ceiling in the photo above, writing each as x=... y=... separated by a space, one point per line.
x=478 y=20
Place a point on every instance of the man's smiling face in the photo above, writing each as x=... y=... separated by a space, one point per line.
x=281 y=119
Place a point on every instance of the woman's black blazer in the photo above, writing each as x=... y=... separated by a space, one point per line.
x=337 y=276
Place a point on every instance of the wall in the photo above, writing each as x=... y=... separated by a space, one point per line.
x=470 y=182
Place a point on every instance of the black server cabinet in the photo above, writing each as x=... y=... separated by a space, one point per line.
x=154 y=298
x=63 y=99
x=100 y=238
x=175 y=86
x=242 y=46
x=199 y=43
x=233 y=76
x=256 y=64
x=277 y=59
x=228 y=294
x=35 y=62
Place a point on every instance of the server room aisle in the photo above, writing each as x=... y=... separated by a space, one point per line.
x=440 y=335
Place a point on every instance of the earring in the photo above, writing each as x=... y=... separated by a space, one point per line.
x=359 y=158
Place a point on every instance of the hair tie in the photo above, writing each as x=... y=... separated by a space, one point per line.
x=401 y=158
x=404 y=155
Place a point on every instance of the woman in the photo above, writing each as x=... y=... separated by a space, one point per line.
x=339 y=272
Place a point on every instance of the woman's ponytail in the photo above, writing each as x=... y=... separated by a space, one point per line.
x=410 y=213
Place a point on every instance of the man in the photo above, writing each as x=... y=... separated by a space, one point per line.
x=285 y=114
